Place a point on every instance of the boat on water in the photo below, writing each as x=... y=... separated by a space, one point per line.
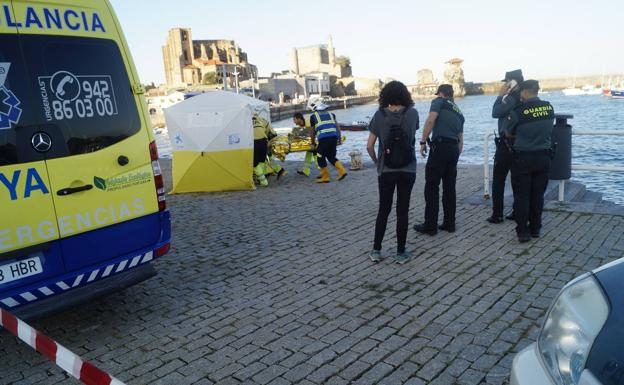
x=572 y=91
x=617 y=93
x=357 y=125
x=585 y=90
x=591 y=90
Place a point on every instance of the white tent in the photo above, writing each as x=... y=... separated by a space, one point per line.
x=212 y=140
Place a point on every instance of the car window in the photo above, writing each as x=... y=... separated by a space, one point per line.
x=80 y=91
x=14 y=92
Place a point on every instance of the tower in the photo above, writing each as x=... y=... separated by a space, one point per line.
x=294 y=61
x=330 y=52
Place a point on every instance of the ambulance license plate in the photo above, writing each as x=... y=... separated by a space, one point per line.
x=21 y=269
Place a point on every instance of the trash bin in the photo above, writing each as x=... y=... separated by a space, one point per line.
x=561 y=164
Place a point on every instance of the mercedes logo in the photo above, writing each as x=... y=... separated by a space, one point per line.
x=41 y=142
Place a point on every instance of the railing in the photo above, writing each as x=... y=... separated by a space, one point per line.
x=575 y=167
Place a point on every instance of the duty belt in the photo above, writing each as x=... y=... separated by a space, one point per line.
x=443 y=139
x=536 y=152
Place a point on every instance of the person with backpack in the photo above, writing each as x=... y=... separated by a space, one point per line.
x=445 y=123
x=394 y=124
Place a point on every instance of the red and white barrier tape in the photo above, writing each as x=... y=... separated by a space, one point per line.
x=84 y=371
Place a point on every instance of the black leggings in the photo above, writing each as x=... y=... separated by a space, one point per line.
x=403 y=181
x=326 y=150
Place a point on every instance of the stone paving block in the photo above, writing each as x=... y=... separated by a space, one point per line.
x=269 y=374
x=354 y=370
x=375 y=374
x=299 y=372
x=365 y=346
x=321 y=375
x=400 y=374
x=431 y=369
x=248 y=371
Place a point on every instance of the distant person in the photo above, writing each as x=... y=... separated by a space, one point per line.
x=395 y=125
x=508 y=99
x=445 y=123
x=303 y=129
x=530 y=126
x=327 y=137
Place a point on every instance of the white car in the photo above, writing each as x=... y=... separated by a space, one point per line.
x=582 y=339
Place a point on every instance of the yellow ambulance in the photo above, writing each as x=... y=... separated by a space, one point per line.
x=82 y=201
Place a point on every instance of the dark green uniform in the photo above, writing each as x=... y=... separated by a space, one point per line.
x=503 y=158
x=442 y=163
x=530 y=125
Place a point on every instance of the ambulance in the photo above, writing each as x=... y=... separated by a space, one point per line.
x=82 y=200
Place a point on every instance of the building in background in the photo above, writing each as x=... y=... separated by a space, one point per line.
x=426 y=84
x=288 y=87
x=191 y=62
x=320 y=71
x=319 y=58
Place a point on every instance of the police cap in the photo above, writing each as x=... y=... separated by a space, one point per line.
x=530 y=85
x=513 y=75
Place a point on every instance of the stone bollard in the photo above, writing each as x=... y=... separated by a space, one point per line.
x=356 y=160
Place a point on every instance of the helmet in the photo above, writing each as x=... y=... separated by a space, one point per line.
x=315 y=103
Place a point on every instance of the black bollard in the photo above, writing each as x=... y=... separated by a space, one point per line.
x=561 y=164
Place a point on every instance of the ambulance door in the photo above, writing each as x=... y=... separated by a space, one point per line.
x=29 y=247
x=99 y=167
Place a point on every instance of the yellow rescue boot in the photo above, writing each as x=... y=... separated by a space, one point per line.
x=324 y=176
x=259 y=171
x=341 y=170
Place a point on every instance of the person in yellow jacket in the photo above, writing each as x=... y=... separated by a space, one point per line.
x=303 y=125
x=327 y=135
x=263 y=132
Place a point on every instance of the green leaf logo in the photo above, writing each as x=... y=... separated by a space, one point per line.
x=99 y=183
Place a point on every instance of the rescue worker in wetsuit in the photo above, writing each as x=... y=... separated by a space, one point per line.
x=445 y=123
x=310 y=156
x=508 y=99
x=530 y=126
x=327 y=135
x=262 y=132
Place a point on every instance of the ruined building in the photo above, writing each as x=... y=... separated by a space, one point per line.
x=454 y=75
x=318 y=59
x=191 y=62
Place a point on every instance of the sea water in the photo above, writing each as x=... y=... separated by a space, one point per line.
x=591 y=113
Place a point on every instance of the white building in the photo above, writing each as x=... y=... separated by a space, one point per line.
x=155 y=104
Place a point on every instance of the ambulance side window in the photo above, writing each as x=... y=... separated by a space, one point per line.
x=13 y=95
x=82 y=93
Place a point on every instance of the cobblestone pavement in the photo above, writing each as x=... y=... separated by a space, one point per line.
x=275 y=287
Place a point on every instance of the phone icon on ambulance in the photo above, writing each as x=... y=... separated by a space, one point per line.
x=65 y=85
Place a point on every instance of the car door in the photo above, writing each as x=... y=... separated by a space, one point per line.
x=99 y=163
x=29 y=248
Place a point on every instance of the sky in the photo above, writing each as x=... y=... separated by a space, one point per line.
x=394 y=39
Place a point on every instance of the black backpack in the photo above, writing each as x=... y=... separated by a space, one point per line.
x=397 y=146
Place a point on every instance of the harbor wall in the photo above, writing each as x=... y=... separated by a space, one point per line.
x=288 y=110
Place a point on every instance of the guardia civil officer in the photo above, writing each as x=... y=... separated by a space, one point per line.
x=508 y=99
x=445 y=123
x=530 y=126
